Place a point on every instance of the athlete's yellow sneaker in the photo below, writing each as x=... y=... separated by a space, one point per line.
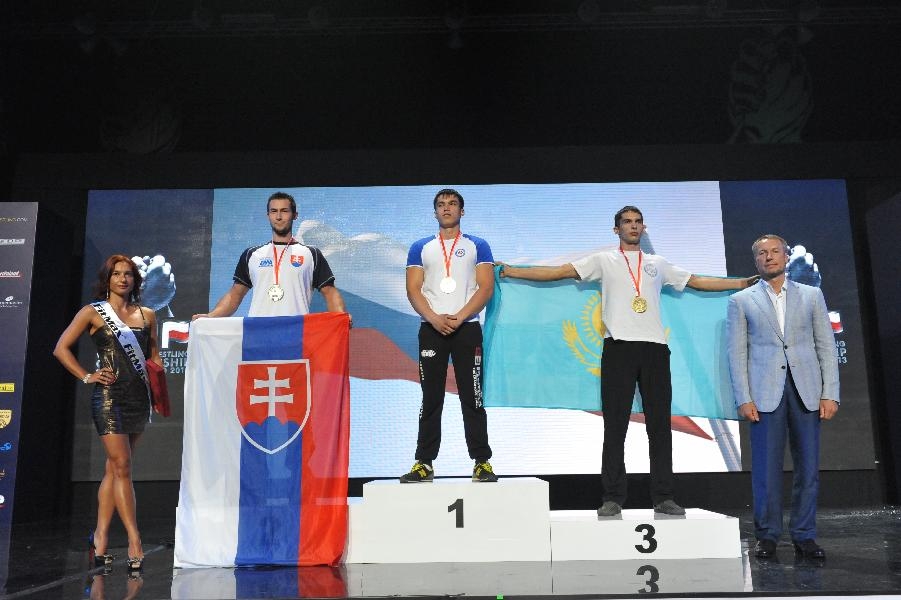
x=483 y=472
x=420 y=473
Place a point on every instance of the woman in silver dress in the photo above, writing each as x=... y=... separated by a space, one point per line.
x=120 y=403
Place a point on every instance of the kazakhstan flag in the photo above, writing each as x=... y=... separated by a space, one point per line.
x=543 y=343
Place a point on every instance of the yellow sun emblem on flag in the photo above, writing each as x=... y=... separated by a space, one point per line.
x=587 y=349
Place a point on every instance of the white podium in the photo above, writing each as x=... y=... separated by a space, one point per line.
x=460 y=521
x=643 y=535
x=450 y=520
x=650 y=576
x=450 y=579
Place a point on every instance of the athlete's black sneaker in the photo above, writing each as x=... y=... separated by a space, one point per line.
x=420 y=473
x=610 y=509
x=669 y=507
x=483 y=472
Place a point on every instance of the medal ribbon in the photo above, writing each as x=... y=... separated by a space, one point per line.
x=278 y=257
x=448 y=255
x=635 y=282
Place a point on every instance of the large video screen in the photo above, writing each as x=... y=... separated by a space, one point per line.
x=189 y=242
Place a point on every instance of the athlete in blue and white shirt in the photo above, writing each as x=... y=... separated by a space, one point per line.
x=284 y=272
x=450 y=278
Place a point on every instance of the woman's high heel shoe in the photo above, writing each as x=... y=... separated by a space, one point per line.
x=135 y=564
x=99 y=560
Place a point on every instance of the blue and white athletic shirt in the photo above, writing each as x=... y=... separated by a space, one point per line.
x=302 y=268
x=469 y=252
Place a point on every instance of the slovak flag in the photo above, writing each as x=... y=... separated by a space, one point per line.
x=265 y=454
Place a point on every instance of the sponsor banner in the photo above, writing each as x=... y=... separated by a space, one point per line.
x=17 y=228
x=11 y=302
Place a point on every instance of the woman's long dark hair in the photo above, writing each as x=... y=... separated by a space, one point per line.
x=101 y=286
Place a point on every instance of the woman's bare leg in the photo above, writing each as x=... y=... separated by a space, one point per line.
x=118 y=451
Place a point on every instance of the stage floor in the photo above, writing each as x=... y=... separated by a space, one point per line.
x=49 y=560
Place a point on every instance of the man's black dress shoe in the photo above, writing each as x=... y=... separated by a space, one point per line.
x=765 y=549
x=809 y=549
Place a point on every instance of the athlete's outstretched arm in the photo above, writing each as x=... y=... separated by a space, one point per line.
x=567 y=271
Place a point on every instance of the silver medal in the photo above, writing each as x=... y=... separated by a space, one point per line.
x=448 y=285
x=276 y=292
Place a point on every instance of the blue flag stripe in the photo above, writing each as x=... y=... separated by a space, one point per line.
x=272 y=338
x=268 y=513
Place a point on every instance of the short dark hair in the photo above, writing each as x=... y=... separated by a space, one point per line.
x=101 y=286
x=618 y=216
x=282 y=196
x=770 y=236
x=447 y=192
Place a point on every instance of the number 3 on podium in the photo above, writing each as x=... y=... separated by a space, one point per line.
x=649 y=532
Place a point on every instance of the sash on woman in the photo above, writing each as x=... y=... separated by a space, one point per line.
x=159 y=397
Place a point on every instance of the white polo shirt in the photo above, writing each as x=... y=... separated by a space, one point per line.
x=617 y=291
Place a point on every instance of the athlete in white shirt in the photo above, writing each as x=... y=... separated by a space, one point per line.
x=284 y=271
x=635 y=351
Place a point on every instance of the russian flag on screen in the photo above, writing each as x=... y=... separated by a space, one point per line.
x=265 y=459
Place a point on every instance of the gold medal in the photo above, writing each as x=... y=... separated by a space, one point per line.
x=639 y=304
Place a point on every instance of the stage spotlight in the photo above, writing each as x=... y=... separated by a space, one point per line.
x=589 y=11
x=715 y=9
x=808 y=10
x=454 y=17
x=118 y=46
x=454 y=40
x=85 y=24
x=202 y=17
x=318 y=16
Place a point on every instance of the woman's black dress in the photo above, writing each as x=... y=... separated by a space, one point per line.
x=124 y=406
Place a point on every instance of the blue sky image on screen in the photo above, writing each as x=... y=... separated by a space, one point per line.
x=365 y=233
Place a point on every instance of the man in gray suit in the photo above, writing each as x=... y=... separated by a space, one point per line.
x=784 y=371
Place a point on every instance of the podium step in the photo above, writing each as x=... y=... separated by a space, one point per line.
x=568 y=578
x=460 y=521
x=649 y=576
x=450 y=520
x=643 y=534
